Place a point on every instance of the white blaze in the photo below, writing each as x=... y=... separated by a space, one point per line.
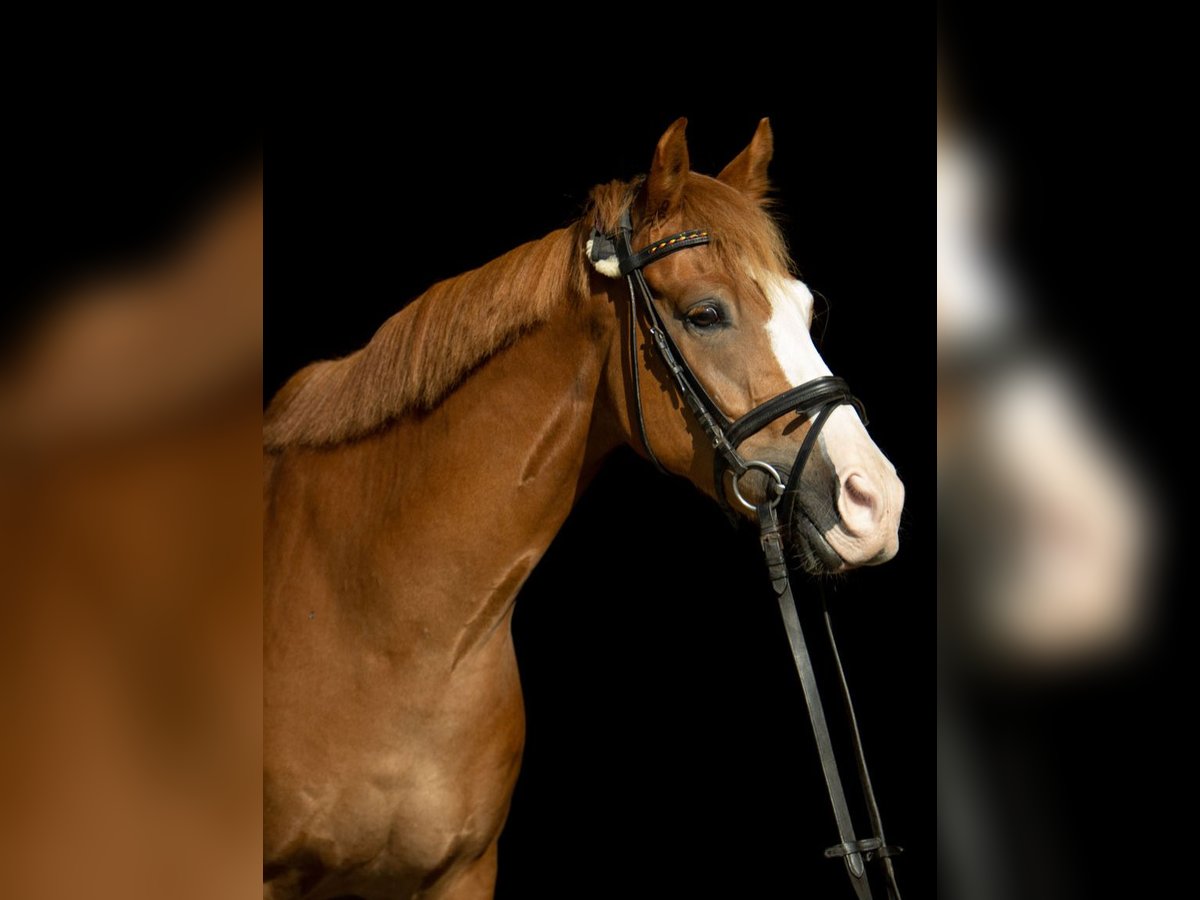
x=844 y=437
x=973 y=299
x=791 y=311
x=871 y=497
x=792 y=344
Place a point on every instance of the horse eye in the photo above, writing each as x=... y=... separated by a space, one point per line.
x=705 y=316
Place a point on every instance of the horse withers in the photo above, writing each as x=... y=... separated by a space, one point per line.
x=394 y=721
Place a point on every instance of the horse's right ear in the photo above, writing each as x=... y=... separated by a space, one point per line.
x=748 y=170
x=668 y=172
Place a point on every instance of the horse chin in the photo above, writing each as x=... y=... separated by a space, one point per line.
x=809 y=547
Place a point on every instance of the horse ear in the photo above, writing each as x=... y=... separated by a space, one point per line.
x=748 y=170
x=668 y=173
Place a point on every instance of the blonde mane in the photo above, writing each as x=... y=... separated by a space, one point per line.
x=426 y=350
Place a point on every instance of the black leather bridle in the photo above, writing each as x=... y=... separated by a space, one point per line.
x=816 y=400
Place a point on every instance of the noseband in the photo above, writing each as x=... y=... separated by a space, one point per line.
x=815 y=400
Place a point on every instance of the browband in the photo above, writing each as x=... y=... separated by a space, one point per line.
x=606 y=246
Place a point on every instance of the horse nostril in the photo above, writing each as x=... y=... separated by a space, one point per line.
x=860 y=504
x=860 y=490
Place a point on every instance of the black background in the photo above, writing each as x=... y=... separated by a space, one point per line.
x=668 y=749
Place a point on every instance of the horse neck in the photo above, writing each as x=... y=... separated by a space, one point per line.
x=422 y=534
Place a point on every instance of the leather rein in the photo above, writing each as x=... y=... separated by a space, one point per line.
x=816 y=400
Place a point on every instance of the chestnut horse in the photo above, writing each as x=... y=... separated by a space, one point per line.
x=412 y=486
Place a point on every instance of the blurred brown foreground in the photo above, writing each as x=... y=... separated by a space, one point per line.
x=130 y=544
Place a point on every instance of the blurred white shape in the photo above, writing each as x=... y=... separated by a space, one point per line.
x=1061 y=578
x=972 y=299
x=1049 y=529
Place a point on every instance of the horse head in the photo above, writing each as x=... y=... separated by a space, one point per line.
x=739 y=319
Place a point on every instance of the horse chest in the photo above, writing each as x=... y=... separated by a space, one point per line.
x=410 y=791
